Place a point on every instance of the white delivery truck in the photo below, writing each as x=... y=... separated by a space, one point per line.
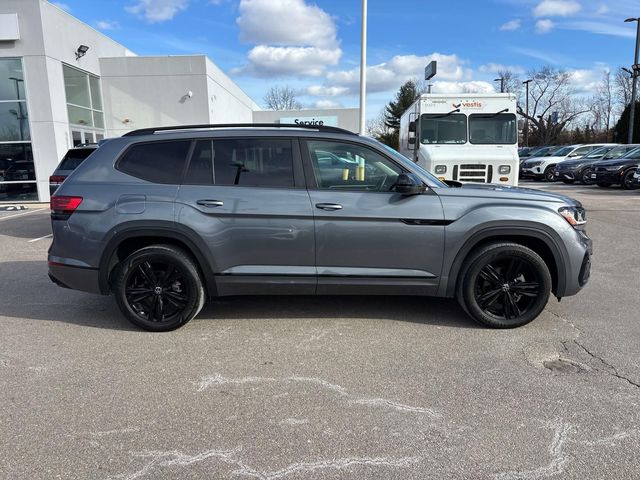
x=464 y=137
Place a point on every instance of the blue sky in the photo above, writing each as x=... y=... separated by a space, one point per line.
x=314 y=46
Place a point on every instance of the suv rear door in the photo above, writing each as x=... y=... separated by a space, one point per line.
x=246 y=198
x=368 y=236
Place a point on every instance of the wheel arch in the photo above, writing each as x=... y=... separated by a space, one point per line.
x=539 y=241
x=125 y=241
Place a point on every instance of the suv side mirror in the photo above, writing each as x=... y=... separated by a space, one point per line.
x=409 y=184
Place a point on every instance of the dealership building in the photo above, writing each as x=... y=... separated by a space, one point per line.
x=62 y=83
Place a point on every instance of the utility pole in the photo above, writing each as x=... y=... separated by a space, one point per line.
x=363 y=69
x=635 y=72
x=526 y=118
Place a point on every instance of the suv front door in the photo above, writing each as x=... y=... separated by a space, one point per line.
x=369 y=237
x=247 y=199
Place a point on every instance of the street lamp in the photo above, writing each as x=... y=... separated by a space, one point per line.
x=635 y=73
x=501 y=80
x=526 y=117
x=363 y=68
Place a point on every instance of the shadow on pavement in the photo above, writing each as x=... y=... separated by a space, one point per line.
x=27 y=293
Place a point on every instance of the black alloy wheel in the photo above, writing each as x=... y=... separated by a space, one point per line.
x=585 y=177
x=627 y=179
x=504 y=285
x=158 y=288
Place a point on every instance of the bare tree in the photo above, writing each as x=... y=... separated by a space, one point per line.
x=602 y=103
x=552 y=104
x=511 y=82
x=622 y=89
x=281 y=98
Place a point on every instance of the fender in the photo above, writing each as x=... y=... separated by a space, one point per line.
x=449 y=281
x=160 y=229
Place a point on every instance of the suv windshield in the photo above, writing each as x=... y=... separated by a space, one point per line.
x=618 y=152
x=75 y=157
x=443 y=128
x=563 y=152
x=490 y=129
x=598 y=152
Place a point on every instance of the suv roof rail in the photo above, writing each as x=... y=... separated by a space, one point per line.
x=321 y=128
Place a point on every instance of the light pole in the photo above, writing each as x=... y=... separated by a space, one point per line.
x=501 y=80
x=636 y=72
x=363 y=69
x=526 y=117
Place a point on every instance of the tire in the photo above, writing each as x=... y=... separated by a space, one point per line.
x=158 y=288
x=627 y=180
x=568 y=182
x=496 y=300
x=604 y=185
x=585 y=179
x=548 y=174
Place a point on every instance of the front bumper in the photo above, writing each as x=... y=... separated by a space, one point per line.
x=566 y=174
x=74 y=277
x=579 y=265
x=535 y=172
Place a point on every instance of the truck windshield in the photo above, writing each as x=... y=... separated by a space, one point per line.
x=492 y=129
x=443 y=128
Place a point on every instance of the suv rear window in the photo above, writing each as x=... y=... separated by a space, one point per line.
x=158 y=162
x=258 y=162
x=74 y=158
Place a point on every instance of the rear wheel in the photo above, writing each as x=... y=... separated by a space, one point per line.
x=627 y=180
x=504 y=285
x=548 y=174
x=585 y=176
x=158 y=288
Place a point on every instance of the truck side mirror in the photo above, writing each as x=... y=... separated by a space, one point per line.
x=412 y=126
x=412 y=140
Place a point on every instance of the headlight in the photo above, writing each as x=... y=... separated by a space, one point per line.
x=576 y=216
x=504 y=169
x=441 y=169
x=533 y=164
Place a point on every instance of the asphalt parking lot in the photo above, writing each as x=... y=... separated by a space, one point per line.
x=335 y=387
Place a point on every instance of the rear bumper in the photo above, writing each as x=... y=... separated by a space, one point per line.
x=76 y=278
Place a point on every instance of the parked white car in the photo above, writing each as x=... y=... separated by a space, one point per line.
x=542 y=167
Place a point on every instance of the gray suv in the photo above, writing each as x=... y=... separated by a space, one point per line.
x=164 y=218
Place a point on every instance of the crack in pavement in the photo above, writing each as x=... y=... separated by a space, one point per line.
x=218 y=379
x=614 y=370
x=175 y=458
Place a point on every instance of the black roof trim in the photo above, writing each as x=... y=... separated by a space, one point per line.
x=320 y=128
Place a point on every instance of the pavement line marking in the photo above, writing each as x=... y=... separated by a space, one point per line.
x=41 y=238
x=23 y=213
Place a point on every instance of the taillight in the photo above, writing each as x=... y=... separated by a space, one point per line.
x=57 y=179
x=62 y=206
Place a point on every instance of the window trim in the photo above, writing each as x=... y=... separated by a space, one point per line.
x=298 y=174
x=487 y=115
x=310 y=175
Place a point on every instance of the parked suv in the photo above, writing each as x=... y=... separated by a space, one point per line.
x=163 y=218
x=618 y=171
x=540 y=168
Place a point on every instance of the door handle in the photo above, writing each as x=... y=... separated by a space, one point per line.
x=210 y=203
x=329 y=206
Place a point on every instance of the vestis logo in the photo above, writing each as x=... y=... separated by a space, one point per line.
x=474 y=104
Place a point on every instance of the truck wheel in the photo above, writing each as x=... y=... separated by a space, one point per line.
x=504 y=285
x=548 y=174
x=158 y=288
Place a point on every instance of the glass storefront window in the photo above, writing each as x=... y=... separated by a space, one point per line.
x=14 y=122
x=11 y=79
x=80 y=116
x=96 y=101
x=11 y=192
x=84 y=101
x=98 y=119
x=76 y=86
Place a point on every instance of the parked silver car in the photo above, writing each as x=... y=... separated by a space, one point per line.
x=163 y=218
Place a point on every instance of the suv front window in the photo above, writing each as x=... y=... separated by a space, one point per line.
x=492 y=129
x=443 y=128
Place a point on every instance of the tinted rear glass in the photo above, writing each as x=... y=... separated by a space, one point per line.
x=158 y=162
x=74 y=158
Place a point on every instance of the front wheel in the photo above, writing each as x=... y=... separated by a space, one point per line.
x=627 y=180
x=158 y=288
x=549 y=175
x=585 y=177
x=504 y=285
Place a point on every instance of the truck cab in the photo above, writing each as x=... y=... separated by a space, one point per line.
x=464 y=137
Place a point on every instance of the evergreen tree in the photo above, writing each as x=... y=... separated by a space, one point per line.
x=407 y=94
x=621 y=130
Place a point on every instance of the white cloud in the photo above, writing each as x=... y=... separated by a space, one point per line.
x=62 y=6
x=586 y=81
x=293 y=38
x=498 y=67
x=327 y=104
x=155 y=11
x=323 y=91
x=544 y=26
x=556 y=8
x=617 y=29
x=267 y=61
x=107 y=25
x=602 y=9
x=462 y=87
x=511 y=25
x=285 y=23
